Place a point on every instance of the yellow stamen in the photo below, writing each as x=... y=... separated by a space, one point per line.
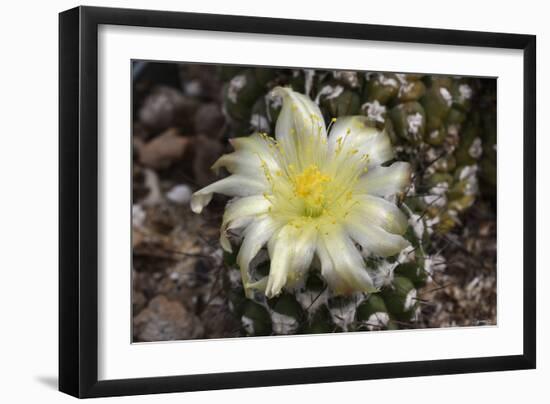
x=310 y=186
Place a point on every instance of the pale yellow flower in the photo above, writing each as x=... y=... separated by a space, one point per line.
x=305 y=194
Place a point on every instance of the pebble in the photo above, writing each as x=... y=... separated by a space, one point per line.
x=180 y=194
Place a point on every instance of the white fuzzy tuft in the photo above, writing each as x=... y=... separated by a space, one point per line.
x=235 y=85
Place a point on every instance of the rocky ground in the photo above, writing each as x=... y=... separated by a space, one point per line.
x=462 y=290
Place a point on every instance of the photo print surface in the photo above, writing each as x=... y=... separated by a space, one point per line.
x=278 y=201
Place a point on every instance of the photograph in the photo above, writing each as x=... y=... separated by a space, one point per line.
x=238 y=202
x=270 y=201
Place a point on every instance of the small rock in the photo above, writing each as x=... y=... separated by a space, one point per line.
x=138 y=301
x=164 y=150
x=210 y=120
x=179 y=194
x=138 y=215
x=167 y=107
x=164 y=320
x=139 y=132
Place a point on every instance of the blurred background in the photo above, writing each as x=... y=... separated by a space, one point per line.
x=184 y=287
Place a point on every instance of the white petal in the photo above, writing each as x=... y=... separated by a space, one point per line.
x=225 y=243
x=199 y=200
x=255 y=237
x=374 y=239
x=379 y=150
x=234 y=185
x=238 y=162
x=351 y=129
x=379 y=212
x=351 y=140
x=385 y=181
x=252 y=157
x=291 y=252
x=254 y=143
x=247 y=206
x=304 y=248
x=300 y=130
x=239 y=212
x=281 y=257
x=341 y=263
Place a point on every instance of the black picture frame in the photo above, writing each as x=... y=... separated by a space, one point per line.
x=78 y=201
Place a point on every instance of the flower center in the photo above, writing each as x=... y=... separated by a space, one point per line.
x=310 y=186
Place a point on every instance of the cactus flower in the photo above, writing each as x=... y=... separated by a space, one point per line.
x=311 y=198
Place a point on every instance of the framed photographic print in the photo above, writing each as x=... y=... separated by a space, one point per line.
x=252 y=201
